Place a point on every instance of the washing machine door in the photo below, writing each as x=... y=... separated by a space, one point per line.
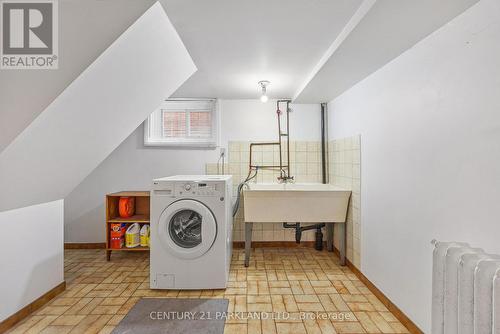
x=187 y=229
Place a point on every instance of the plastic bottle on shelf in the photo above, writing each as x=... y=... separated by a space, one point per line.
x=132 y=238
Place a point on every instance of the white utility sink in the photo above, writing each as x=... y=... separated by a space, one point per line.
x=295 y=202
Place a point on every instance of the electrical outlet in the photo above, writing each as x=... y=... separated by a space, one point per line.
x=222 y=151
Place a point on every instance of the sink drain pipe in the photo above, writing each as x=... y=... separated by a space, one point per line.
x=318 y=244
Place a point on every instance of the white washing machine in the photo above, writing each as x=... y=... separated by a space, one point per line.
x=191 y=232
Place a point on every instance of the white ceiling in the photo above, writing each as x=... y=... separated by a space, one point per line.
x=389 y=28
x=236 y=43
x=299 y=45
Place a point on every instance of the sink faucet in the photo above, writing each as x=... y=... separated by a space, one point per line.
x=286 y=179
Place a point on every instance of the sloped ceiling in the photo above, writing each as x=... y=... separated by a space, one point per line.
x=86 y=29
x=388 y=29
x=235 y=44
x=95 y=113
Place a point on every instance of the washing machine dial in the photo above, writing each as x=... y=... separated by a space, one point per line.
x=187 y=187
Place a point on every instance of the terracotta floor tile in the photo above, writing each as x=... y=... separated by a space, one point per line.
x=280 y=291
x=312 y=326
x=388 y=316
x=106 y=329
x=91 y=324
x=115 y=319
x=114 y=301
x=56 y=329
x=240 y=304
x=326 y=326
x=26 y=324
x=254 y=326
x=293 y=282
x=64 y=301
x=290 y=328
x=367 y=323
x=106 y=309
x=380 y=322
x=361 y=307
x=290 y=304
x=310 y=307
x=268 y=326
x=398 y=328
x=349 y=327
x=68 y=320
x=260 y=307
x=306 y=299
x=235 y=329
x=41 y=325
x=259 y=299
x=327 y=303
x=52 y=310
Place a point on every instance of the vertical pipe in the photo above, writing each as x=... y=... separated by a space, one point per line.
x=324 y=177
x=278 y=112
x=288 y=138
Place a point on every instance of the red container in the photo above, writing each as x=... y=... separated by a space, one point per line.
x=126 y=207
x=117 y=243
x=117 y=230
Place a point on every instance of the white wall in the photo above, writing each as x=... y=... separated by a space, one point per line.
x=31 y=254
x=95 y=113
x=86 y=31
x=430 y=151
x=132 y=166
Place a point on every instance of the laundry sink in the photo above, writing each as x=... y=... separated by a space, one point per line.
x=295 y=202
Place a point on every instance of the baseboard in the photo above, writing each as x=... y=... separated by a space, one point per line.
x=410 y=325
x=277 y=244
x=236 y=244
x=31 y=307
x=84 y=245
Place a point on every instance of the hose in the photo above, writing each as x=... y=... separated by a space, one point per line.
x=240 y=187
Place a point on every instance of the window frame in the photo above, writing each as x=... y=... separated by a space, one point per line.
x=157 y=116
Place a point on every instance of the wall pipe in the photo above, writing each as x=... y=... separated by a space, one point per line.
x=324 y=143
x=324 y=179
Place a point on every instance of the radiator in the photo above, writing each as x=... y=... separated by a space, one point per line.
x=465 y=290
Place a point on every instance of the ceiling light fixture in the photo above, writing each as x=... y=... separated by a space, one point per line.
x=263 y=85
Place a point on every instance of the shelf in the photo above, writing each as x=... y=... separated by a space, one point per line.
x=141 y=216
x=130 y=194
x=133 y=219
x=129 y=249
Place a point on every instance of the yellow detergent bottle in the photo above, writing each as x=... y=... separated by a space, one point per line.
x=132 y=236
x=145 y=235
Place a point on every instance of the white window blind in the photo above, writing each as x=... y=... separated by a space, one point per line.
x=183 y=123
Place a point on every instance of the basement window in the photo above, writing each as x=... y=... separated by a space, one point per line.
x=183 y=123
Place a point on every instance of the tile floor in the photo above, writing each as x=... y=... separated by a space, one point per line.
x=291 y=283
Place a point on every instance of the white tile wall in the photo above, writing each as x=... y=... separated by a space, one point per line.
x=345 y=171
x=305 y=159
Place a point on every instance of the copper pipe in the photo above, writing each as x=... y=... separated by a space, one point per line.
x=283 y=169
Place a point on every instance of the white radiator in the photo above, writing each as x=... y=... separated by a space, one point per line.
x=465 y=290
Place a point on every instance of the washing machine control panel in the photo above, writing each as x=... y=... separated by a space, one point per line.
x=199 y=189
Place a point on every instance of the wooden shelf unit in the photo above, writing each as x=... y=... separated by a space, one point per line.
x=142 y=214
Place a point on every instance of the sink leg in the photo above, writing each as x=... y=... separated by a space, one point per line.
x=248 y=242
x=342 y=243
x=329 y=237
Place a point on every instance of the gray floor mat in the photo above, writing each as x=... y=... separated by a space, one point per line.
x=174 y=316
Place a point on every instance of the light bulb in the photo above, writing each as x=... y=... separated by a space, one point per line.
x=263 y=86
